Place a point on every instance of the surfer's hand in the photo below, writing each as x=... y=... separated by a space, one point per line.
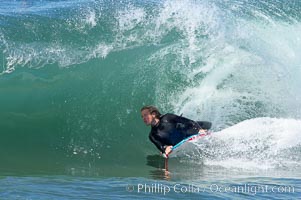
x=164 y=155
x=168 y=150
x=202 y=131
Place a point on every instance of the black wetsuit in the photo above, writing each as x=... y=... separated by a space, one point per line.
x=171 y=129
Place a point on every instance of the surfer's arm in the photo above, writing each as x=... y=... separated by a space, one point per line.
x=157 y=143
x=168 y=149
x=183 y=122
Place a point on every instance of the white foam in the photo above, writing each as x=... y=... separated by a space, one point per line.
x=260 y=143
x=101 y=50
x=191 y=19
x=252 y=70
x=91 y=18
x=129 y=18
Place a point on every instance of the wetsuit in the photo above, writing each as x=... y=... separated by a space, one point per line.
x=171 y=129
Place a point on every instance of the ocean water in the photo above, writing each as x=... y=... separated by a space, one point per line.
x=75 y=73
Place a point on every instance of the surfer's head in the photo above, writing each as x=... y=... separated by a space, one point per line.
x=150 y=114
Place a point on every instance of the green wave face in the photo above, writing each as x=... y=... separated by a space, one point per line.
x=76 y=73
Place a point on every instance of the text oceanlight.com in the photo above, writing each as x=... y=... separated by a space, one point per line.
x=157 y=188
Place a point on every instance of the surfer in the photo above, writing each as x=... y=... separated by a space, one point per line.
x=169 y=129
